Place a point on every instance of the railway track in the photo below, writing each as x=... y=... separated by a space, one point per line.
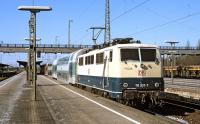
x=183 y=104
x=176 y=110
x=181 y=111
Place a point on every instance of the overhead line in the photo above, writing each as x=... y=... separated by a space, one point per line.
x=129 y=10
x=84 y=36
x=169 y=22
x=81 y=15
x=163 y=16
x=86 y=9
x=124 y=13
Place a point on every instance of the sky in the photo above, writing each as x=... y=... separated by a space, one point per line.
x=151 y=21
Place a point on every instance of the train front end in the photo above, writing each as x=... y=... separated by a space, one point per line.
x=140 y=72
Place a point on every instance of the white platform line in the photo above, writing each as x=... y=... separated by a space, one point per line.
x=9 y=80
x=109 y=109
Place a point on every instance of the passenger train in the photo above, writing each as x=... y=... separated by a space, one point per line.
x=122 y=70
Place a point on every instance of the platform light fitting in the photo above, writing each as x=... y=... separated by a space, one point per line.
x=35 y=8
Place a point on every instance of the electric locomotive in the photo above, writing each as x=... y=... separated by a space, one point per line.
x=123 y=71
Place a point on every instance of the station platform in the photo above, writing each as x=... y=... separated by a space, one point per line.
x=17 y=105
x=60 y=103
x=189 y=88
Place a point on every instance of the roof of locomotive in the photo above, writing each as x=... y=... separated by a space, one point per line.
x=135 y=45
x=129 y=45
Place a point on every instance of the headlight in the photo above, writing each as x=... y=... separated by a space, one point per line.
x=125 y=85
x=156 y=84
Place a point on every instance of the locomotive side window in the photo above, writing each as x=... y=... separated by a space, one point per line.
x=86 y=60
x=129 y=54
x=148 y=54
x=81 y=61
x=92 y=59
x=111 y=54
x=99 y=58
x=89 y=60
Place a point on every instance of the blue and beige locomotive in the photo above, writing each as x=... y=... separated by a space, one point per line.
x=122 y=70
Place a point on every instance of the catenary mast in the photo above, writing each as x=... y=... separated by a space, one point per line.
x=107 y=22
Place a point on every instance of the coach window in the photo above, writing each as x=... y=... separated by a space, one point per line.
x=111 y=55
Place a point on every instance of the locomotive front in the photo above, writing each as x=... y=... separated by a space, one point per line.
x=140 y=71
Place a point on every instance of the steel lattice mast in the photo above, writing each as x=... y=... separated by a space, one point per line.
x=107 y=22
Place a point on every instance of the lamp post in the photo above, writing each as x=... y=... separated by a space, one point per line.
x=172 y=44
x=69 y=32
x=32 y=26
x=29 y=68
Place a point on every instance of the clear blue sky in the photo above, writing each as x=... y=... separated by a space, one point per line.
x=87 y=13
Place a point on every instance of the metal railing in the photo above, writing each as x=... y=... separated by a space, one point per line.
x=44 y=46
x=84 y=46
x=179 y=48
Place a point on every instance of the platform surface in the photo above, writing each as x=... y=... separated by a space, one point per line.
x=60 y=103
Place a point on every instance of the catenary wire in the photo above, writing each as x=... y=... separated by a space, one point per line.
x=166 y=23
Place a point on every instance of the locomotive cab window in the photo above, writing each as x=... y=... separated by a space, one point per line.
x=148 y=54
x=129 y=54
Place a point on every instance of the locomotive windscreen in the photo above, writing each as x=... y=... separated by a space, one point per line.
x=129 y=54
x=148 y=54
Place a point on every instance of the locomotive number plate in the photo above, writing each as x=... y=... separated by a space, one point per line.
x=141 y=85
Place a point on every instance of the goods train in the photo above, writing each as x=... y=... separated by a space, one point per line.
x=122 y=70
x=192 y=71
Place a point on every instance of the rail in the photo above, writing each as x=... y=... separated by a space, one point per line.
x=184 y=104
